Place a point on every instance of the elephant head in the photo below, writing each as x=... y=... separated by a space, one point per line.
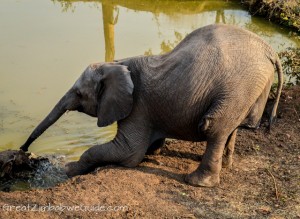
x=104 y=90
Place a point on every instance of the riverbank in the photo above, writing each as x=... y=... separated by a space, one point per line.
x=286 y=13
x=263 y=182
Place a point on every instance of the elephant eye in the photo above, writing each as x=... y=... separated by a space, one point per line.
x=79 y=94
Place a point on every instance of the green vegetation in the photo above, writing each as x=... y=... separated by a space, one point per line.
x=281 y=11
x=290 y=60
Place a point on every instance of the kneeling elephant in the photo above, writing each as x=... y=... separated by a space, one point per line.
x=216 y=80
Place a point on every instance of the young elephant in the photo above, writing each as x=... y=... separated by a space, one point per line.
x=217 y=79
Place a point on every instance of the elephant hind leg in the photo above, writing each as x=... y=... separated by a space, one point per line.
x=229 y=149
x=254 y=116
x=208 y=172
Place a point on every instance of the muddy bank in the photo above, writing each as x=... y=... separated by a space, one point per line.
x=263 y=182
x=286 y=13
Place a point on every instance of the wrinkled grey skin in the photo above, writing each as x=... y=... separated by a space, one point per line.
x=217 y=79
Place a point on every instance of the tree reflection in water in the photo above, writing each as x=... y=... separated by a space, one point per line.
x=221 y=11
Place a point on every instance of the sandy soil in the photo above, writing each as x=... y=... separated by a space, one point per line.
x=263 y=182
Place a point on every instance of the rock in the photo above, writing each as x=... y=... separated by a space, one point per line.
x=17 y=166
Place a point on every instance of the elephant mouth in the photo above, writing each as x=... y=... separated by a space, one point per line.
x=80 y=109
x=89 y=112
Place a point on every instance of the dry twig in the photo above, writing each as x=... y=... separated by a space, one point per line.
x=275 y=185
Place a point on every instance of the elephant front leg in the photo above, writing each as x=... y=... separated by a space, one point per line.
x=114 y=152
x=208 y=172
x=96 y=156
x=155 y=147
x=127 y=149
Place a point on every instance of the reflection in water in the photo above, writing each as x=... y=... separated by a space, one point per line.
x=167 y=45
x=59 y=40
x=220 y=16
x=223 y=11
x=109 y=32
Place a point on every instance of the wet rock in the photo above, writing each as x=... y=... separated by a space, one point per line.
x=20 y=170
x=18 y=164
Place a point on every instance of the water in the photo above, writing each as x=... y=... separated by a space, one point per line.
x=45 y=45
x=49 y=173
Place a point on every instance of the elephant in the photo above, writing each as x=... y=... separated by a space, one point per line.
x=214 y=81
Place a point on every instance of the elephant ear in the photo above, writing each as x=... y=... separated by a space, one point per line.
x=115 y=98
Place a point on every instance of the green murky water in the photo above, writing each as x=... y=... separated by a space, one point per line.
x=45 y=45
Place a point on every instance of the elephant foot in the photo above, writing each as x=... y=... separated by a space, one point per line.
x=75 y=168
x=205 y=179
x=227 y=162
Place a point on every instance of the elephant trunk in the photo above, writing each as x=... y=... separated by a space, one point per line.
x=60 y=108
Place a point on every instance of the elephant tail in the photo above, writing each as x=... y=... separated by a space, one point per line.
x=279 y=89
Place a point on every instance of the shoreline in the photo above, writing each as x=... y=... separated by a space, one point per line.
x=285 y=13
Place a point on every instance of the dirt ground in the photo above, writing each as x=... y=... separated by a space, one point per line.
x=264 y=181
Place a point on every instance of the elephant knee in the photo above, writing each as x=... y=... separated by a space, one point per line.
x=130 y=164
x=133 y=160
